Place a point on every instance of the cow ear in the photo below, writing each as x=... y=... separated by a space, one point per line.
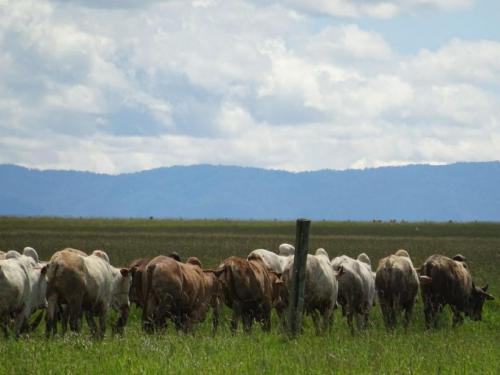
x=485 y=288
x=340 y=272
x=44 y=269
x=124 y=272
x=219 y=271
x=488 y=296
x=425 y=279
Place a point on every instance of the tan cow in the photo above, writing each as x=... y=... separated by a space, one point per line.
x=86 y=284
x=181 y=292
x=397 y=284
x=248 y=290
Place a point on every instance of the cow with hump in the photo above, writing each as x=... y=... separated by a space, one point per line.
x=181 y=292
x=356 y=288
x=321 y=289
x=397 y=284
x=250 y=290
x=275 y=262
x=22 y=288
x=449 y=282
x=87 y=285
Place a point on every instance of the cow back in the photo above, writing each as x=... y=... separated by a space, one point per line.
x=451 y=280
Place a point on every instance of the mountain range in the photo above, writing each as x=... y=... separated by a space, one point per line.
x=460 y=192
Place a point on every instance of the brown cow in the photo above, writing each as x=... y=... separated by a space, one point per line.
x=248 y=290
x=136 y=294
x=450 y=283
x=137 y=289
x=181 y=292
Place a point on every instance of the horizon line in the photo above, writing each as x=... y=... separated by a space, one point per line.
x=423 y=164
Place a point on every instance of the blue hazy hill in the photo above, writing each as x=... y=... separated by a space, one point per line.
x=462 y=191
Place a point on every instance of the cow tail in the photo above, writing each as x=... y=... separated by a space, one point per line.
x=52 y=271
x=397 y=281
x=149 y=289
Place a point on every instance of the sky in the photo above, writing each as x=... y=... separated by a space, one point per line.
x=115 y=86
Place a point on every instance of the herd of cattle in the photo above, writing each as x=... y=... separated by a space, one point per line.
x=74 y=284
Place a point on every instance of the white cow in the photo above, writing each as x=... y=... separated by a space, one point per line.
x=356 y=287
x=22 y=288
x=321 y=287
x=87 y=284
x=275 y=262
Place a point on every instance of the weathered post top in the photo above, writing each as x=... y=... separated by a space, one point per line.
x=298 y=279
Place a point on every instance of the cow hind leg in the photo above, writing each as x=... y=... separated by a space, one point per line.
x=215 y=318
x=266 y=322
x=247 y=319
x=89 y=317
x=19 y=321
x=102 y=324
x=50 y=316
x=235 y=317
x=64 y=315
x=408 y=313
x=315 y=318
x=75 y=314
x=457 y=317
x=3 y=324
x=148 y=314
x=386 y=313
x=326 y=318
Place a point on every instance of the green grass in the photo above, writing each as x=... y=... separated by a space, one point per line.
x=471 y=348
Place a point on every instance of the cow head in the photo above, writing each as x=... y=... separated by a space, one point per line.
x=121 y=288
x=476 y=301
x=279 y=290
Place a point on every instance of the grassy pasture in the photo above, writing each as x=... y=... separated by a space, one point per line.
x=471 y=348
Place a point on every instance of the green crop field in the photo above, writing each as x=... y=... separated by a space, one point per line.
x=472 y=348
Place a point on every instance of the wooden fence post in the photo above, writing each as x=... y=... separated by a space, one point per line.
x=298 y=281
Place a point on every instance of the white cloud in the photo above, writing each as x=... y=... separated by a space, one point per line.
x=458 y=61
x=374 y=8
x=116 y=87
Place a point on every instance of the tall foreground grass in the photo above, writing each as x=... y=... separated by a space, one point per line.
x=471 y=348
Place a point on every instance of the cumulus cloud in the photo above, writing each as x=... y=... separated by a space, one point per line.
x=374 y=8
x=122 y=86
